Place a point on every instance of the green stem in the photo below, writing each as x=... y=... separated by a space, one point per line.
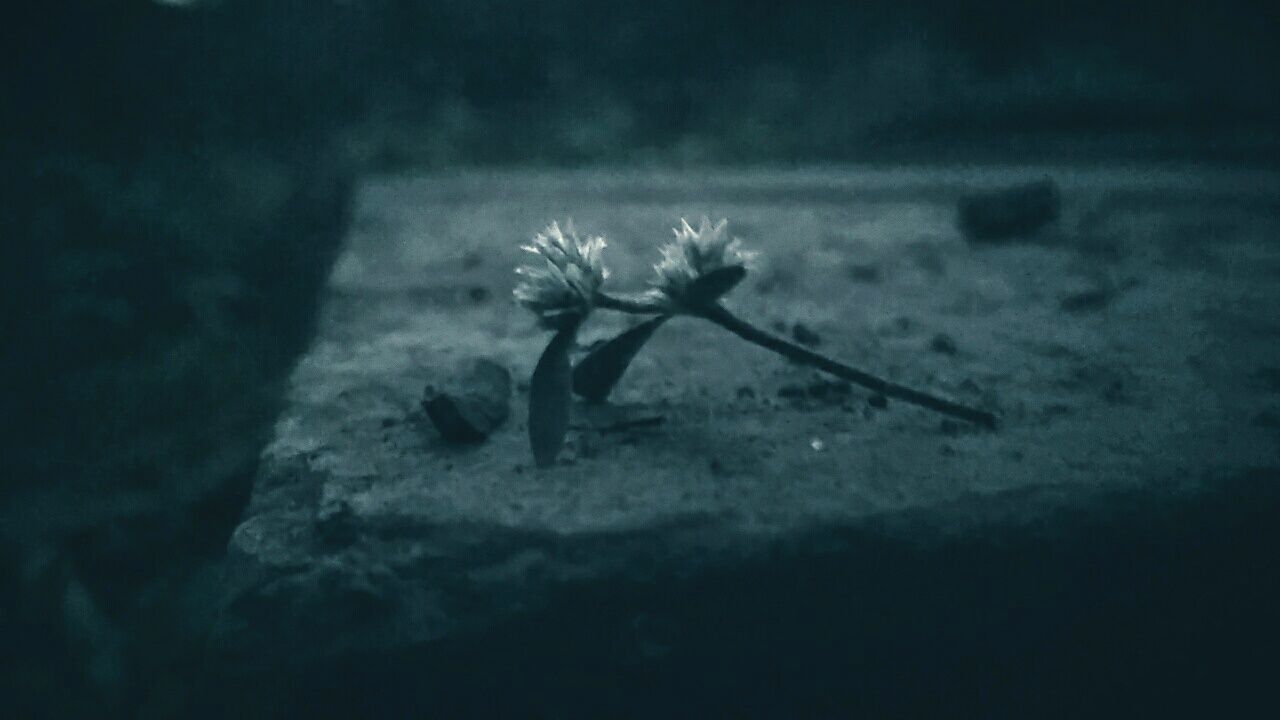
x=717 y=314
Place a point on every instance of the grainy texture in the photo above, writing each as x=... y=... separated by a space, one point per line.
x=1150 y=393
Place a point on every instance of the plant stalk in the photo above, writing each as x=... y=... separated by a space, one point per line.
x=717 y=314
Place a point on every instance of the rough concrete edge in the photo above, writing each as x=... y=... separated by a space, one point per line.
x=349 y=603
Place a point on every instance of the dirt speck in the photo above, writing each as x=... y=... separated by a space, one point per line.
x=867 y=273
x=1086 y=300
x=943 y=344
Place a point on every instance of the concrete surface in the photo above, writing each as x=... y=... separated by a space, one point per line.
x=1129 y=352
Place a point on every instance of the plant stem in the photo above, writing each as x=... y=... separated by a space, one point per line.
x=636 y=305
x=717 y=314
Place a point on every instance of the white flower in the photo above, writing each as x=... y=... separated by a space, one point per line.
x=562 y=288
x=694 y=254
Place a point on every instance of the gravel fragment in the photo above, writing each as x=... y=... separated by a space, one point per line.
x=472 y=404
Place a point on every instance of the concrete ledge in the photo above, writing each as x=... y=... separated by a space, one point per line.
x=369 y=537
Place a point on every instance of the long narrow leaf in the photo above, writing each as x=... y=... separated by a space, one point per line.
x=597 y=373
x=549 y=398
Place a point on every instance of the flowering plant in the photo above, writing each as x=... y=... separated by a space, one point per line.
x=695 y=256
x=561 y=290
x=696 y=270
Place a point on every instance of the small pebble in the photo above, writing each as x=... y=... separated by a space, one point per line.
x=943 y=343
x=472 y=403
x=817 y=445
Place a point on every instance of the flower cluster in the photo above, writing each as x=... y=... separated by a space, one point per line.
x=698 y=268
x=562 y=289
x=694 y=255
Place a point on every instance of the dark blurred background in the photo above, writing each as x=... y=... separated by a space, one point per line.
x=178 y=176
x=395 y=82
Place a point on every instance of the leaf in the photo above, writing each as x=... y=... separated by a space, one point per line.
x=597 y=373
x=712 y=286
x=549 y=398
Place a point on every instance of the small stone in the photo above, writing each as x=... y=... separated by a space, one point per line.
x=817 y=444
x=474 y=403
x=944 y=344
x=805 y=335
x=899 y=327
